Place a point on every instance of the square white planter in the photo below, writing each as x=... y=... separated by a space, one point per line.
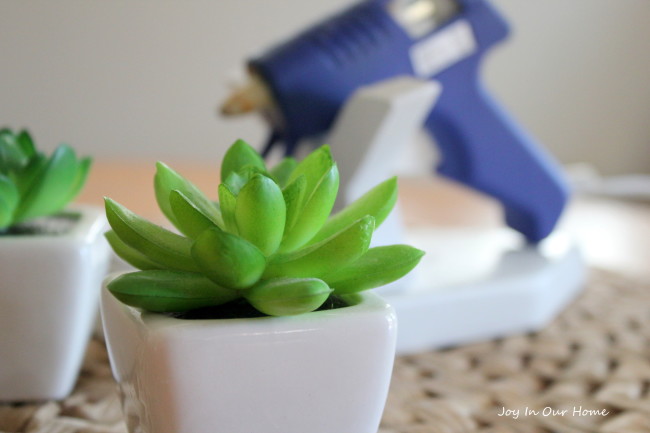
x=321 y=372
x=49 y=288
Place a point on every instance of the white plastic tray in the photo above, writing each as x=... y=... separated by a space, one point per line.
x=486 y=285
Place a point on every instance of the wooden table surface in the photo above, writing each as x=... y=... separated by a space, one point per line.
x=613 y=234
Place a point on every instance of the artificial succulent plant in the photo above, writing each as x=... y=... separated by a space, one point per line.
x=269 y=240
x=33 y=185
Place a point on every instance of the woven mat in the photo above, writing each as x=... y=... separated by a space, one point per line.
x=588 y=371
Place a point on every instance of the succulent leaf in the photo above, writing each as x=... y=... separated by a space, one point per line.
x=288 y=296
x=28 y=175
x=378 y=202
x=168 y=291
x=6 y=134
x=237 y=179
x=313 y=167
x=260 y=213
x=9 y=199
x=190 y=219
x=48 y=191
x=167 y=180
x=6 y=213
x=377 y=267
x=83 y=168
x=227 y=259
x=9 y=193
x=315 y=211
x=228 y=203
x=335 y=252
x=282 y=170
x=239 y=155
x=294 y=194
x=130 y=255
x=12 y=156
x=26 y=144
x=158 y=244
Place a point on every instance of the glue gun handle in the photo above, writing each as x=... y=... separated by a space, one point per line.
x=484 y=149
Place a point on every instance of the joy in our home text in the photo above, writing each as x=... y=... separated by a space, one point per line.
x=551 y=412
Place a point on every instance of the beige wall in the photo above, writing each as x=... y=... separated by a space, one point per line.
x=143 y=77
x=577 y=74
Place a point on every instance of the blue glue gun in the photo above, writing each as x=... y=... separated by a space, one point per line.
x=312 y=75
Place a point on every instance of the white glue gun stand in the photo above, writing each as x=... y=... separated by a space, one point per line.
x=473 y=284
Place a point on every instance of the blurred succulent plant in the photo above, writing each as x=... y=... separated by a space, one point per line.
x=33 y=185
x=269 y=240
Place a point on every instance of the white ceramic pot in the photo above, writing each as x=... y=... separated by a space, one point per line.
x=321 y=372
x=49 y=289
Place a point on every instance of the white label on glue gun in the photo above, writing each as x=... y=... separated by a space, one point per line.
x=443 y=49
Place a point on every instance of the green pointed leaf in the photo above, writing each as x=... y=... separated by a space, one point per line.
x=282 y=170
x=228 y=260
x=313 y=167
x=378 y=203
x=288 y=296
x=237 y=179
x=53 y=183
x=83 y=168
x=11 y=154
x=333 y=253
x=8 y=192
x=167 y=180
x=239 y=155
x=314 y=213
x=6 y=214
x=261 y=213
x=158 y=244
x=29 y=174
x=168 y=291
x=190 y=220
x=228 y=202
x=26 y=144
x=377 y=267
x=6 y=134
x=9 y=199
x=130 y=255
x=294 y=196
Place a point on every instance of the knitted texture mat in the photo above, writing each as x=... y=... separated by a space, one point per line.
x=588 y=371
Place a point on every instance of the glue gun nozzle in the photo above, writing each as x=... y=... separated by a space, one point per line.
x=253 y=96
x=237 y=103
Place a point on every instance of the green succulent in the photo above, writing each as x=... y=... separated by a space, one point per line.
x=269 y=240
x=33 y=185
